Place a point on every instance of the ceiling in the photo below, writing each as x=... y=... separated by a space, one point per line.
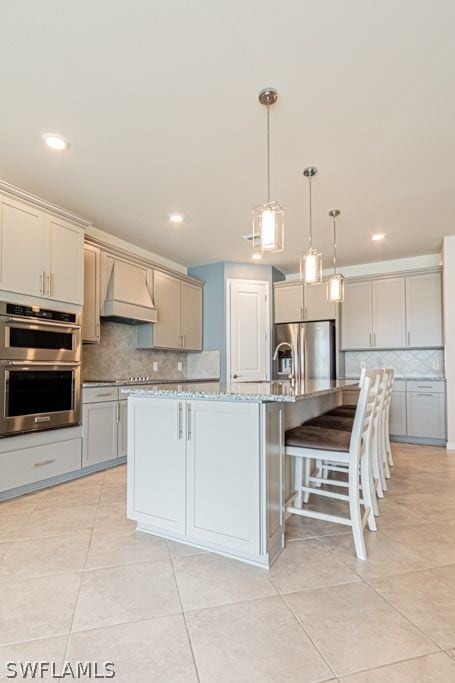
x=159 y=103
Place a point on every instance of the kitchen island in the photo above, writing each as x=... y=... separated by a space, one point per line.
x=206 y=462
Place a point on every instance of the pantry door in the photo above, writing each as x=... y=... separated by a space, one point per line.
x=248 y=330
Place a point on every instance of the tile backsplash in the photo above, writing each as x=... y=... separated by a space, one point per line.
x=116 y=357
x=406 y=362
x=204 y=365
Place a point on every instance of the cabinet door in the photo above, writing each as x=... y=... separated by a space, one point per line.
x=99 y=422
x=157 y=463
x=316 y=305
x=288 y=303
x=397 y=417
x=166 y=294
x=424 y=310
x=389 y=313
x=425 y=413
x=356 y=322
x=22 y=247
x=223 y=474
x=122 y=435
x=64 y=261
x=191 y=316
x=91 y=313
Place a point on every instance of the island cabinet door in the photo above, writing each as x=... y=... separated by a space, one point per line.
x=223 y=484
x=156 y=463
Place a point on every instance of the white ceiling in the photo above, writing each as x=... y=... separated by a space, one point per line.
x=159 y=103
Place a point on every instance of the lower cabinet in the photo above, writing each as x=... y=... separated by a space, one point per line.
x=194 y=471
x=122 y=434
x=397 y=418
x=426 y=415
x=100 y=432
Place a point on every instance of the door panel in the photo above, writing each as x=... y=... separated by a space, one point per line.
x=424 y=310
x=288 y=303
x=397 y=418
x=249 y=339
x=316 y=305
x=99 y=432
x=425 y=414
x=191 y=316
x=356 y=324
x=122 y=437
x=22 y=247
x=223 y=447
x=389 y=313
x=65 y=261
x=167 y=301
x=91 y=315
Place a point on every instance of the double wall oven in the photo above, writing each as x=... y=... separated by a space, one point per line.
x=40 y=353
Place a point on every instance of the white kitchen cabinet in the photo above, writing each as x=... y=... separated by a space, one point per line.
x=41 y=255
x=289 y=303
x=100 y=432
x=179 y=307
x=91 y=312
x=424 y=310
x=220 y=447
x=122 y=433
x=389 y=313
x=22 y=238
x=316 y=305
x=397 y=416
x=357 y=316
x=157 y=465
x=426 y=415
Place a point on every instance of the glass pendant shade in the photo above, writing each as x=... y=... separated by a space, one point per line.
x=335 y=288
x=268 y=227
x=311 y=267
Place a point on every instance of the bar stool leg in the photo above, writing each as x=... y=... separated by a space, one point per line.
x=355 y=514
x=306 y=478
x=367 y=491
x=298 y=476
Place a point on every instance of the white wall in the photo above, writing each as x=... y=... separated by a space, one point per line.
x=449 y=333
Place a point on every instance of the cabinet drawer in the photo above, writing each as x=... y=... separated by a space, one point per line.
x=399 y=385
x=26 y=466
x=97 y=394
x=422 y=386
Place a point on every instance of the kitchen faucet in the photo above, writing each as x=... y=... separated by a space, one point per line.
x=275 y=356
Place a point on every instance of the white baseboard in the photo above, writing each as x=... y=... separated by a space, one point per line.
x=450 y=445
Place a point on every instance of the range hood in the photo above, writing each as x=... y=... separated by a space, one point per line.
x=128 y=293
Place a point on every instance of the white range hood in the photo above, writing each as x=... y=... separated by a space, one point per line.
x=128 y=289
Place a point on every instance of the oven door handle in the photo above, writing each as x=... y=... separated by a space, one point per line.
x=45 y=363
x=46 y=323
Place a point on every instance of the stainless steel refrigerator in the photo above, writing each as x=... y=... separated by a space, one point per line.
x=305 y=349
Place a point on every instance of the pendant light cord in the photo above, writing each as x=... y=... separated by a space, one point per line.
x=268 y=153
x=311 y=216
x=334 y=247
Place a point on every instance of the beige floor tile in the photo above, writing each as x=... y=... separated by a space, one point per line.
x=113 y=517
x=37 y=607
x=177 y=550
x=43 y=556
x=90 y=480
x=58 y=521
x=207 y=580
x=111 y=547
x=20 y=504
x=432 y=506
x=61 y=496
x=451 y=653
x=437 y=668
x=113 y=494
x=393 y=514
x=253 y=641
x=433 y=543
x=43 y=650
x=4 y=546
x=308 y=564
x=150 y=651
x=11 y=524
x=355 y=628
x=427 y=598
x=305 y=527
x=385 y=556
x=126 y=593
x=115 y=476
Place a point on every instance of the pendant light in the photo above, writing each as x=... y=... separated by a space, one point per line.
x=335 y=283
x=311 y=260
x=268 y=218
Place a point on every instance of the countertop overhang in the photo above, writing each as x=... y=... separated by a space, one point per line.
x=259 y=392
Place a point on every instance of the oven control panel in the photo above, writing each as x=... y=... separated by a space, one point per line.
x=40 y=313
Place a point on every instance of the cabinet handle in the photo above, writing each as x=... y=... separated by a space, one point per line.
x=44 y=462
x=371 y=344
x=49 y=284
x=41 y=281
x=409 y=339
x=188 y=422
x=374 y=338
x=106 y=393
x=118 y=413
x=179 y=422
x=98 y=335
x=424 y=394
x=301 y=313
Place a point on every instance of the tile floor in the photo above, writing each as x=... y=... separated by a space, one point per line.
x=77 y=582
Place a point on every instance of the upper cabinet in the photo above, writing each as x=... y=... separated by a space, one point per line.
x=41 y=255
x=293 y=302
x=424 y=310
x=179 y=306
x=393 y=313
x=92 y=303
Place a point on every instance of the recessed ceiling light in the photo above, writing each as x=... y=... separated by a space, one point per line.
x=256 y=256
x=176 y=218
x=55 y=141
x=378 y=237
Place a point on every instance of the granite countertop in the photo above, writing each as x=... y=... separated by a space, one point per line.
x=244 y=391
x=129 y=383
x=410 y=378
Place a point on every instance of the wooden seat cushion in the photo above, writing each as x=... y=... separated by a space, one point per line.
x=318 y=438
x=343 y=411
x=331 y=422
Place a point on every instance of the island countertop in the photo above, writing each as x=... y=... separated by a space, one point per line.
x=259 y=392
